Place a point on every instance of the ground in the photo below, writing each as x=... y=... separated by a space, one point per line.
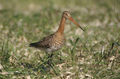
x=93 y=54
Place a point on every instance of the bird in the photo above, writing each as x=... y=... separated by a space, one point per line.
x=55 y=41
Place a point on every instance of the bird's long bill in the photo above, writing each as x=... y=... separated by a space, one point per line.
x=71 y=19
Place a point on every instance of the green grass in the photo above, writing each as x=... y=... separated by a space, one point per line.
x=93 y=54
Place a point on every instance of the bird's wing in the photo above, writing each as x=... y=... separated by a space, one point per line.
x=44 y=43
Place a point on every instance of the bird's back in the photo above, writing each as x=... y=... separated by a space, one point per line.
x=50 y=43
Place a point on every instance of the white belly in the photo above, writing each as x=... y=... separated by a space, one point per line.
x=53 y=48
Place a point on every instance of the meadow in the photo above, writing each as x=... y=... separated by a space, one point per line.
x=93 y=54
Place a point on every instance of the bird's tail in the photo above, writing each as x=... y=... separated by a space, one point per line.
x=33 y=44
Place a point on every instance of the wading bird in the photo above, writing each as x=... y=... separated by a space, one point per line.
x=56 y=40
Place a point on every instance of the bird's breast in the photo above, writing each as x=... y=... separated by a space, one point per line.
x=55 y=44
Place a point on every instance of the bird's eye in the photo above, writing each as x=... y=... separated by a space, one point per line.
x=66 y=14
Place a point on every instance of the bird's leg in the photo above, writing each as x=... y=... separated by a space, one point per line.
x=59 y=56
x=52 y=64
x=49 y=58
x=50 y=55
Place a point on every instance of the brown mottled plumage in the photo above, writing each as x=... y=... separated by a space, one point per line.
x=50 y=43
x=55 y=41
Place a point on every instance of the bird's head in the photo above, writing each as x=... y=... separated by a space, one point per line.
x=67 y=15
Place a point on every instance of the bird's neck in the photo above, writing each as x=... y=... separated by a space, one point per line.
x=62 y=25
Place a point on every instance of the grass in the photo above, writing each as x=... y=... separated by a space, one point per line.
x=93 y=54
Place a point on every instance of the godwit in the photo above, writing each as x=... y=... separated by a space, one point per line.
x=56 y=40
